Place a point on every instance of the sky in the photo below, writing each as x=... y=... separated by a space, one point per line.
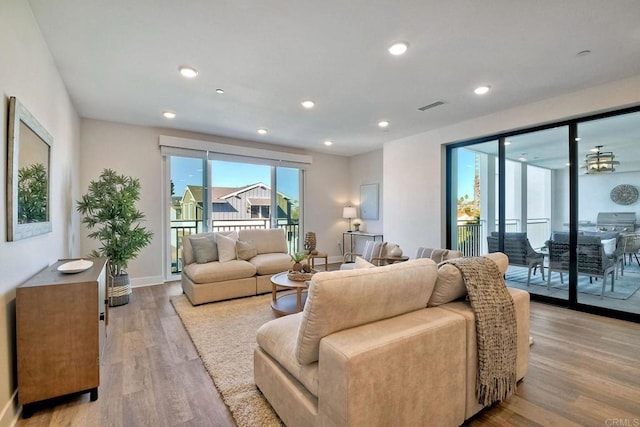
x=188 y=171
x=466 y=172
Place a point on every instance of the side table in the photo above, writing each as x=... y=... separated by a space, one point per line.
x=324 y=255
x=288 y=303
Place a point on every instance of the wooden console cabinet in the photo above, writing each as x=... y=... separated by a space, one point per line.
x=61 y=332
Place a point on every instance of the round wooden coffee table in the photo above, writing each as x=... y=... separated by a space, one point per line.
x=288 y=303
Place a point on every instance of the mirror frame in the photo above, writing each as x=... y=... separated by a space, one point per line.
x=19 y=114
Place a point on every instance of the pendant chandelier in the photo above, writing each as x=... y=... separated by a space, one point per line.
x=600 y=161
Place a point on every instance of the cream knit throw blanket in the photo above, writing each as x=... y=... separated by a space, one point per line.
x=495 y=328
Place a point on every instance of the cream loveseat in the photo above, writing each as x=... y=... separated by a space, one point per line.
x=367 y=351
x=224 y=265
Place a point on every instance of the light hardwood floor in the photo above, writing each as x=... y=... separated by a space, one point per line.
x=584 y=371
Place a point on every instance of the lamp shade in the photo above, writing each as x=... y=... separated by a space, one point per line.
x=349 y=212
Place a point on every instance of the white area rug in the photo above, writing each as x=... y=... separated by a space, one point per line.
x=224 y=333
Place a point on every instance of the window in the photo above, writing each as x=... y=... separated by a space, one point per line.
x=260 y=211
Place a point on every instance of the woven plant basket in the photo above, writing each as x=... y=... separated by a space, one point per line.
x=119 y=290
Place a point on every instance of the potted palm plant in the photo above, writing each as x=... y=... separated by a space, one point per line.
x=109 y=212
x=297 y=259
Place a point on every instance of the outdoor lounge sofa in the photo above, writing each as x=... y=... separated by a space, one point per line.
x=366 y=350
x=224 y=265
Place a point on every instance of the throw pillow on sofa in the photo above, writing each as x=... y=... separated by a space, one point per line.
x=226 y=246
x=450 y=285
x=204 y=248
x=245 y=250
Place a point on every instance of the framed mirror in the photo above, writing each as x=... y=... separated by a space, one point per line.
x=28 y=174
x=369 y=201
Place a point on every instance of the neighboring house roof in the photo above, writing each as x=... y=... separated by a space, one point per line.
x=263 y=201
x=223 y=207
x=221 y=194
x=243 y=189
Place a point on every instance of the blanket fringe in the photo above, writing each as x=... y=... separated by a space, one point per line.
x=497 y=391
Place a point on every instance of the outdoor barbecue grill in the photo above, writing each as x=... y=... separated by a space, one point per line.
x=616 y=221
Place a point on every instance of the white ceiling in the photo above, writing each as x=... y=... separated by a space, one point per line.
x=119 y=60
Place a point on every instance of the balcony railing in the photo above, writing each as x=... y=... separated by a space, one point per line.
x=181 y=228
x=472 y=236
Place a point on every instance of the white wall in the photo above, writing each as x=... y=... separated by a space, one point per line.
x=29 y=73
x=414 y=167
x=594 y=194
x=130 y=150
x=133 y=150
x=326 y=193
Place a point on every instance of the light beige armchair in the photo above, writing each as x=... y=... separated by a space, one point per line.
x=438 y=255
x=372 y=253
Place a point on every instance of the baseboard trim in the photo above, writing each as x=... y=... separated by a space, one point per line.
x=11 y=411
x=146 y=281
x=336 y=259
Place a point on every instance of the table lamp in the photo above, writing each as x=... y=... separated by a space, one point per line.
x=349 y=212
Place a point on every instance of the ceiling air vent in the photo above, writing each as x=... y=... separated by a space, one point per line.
x=432 y=105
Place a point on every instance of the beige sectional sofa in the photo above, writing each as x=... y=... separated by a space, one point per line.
x=367 y=351
x=224 y=265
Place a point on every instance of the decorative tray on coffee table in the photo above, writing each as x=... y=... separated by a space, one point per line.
x=297 y=276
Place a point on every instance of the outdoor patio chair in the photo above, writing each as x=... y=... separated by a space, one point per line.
x=592 y=261
x=519 y=251
x=612 y=242
x=631 y=246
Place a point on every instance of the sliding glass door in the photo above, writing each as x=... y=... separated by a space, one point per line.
x=222 y=195
x=536 y=210
x=608 y=207
x=562 y=201
x=187 y=215
x=474 y=186
x=287 y=200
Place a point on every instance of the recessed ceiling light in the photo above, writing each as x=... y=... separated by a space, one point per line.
x=220 y=91
x=522 y=159
x=595 y=149
x=398 y=48
x=262 y=131
x=567 y=164
x=383 y=123
x=188 y=72
x=328 y=143
x=481 y=90
x=578 y=139
x=507 y=143
x=308 y=104
x=169 y=114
